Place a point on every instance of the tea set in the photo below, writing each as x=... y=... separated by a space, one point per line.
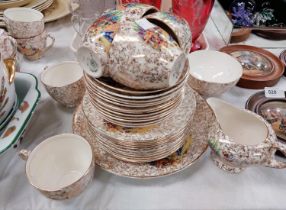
x=144 y=105
x=27 y=26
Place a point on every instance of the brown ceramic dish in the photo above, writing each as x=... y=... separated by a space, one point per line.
x=271 y=109
x=261 y=68
x=283 y=59
x=271 y=34
x=240 y=35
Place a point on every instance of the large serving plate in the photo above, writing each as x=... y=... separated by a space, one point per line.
x=203 y=127
x=28 y=96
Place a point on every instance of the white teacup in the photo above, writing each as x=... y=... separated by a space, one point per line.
x=24 y=22
x=60 y=167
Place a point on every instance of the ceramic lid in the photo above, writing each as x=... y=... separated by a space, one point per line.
x=261 y=68
x=271 y=109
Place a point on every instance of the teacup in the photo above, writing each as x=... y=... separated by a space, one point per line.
x=135 y=11
x=245 y=139
x=35 y=47
x=139 y=57
x=213 y=73
x=65 y=83
x=176 y=26
x=24 y=22
x=60 y=167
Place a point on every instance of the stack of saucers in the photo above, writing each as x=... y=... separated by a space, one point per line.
x=126 y=107
x=144 y=144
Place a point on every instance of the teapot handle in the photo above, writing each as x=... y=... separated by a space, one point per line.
x=14 y=45
x=10 y=63
x=273 y=163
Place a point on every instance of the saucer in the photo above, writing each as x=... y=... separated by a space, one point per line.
x=204 y=126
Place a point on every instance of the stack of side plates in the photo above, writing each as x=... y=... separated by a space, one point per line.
x=143 y=144
x=13 y=3
x=52 y=9
x=126 y=107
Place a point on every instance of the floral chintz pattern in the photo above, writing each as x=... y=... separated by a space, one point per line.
x=234 y=157
x=73 y=189
x=203 y=126
x=177 y=25
x=156 y=37
x=70 y=95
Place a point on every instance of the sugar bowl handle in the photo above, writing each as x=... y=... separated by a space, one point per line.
x=272 y=162
x=24 y=154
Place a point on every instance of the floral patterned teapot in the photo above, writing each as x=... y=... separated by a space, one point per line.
x=7 y=87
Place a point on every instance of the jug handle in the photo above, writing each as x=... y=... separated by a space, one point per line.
x=10 y=63
x=273 y=163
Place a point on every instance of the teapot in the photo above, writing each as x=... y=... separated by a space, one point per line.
x=7 y=76
x=8 y=45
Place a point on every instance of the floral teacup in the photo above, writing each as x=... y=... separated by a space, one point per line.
x=24 y=22
x=176 y=26
x=64 y=82
x=137 y=54
x=35 y=47
x=134 y=11
x=60 y=167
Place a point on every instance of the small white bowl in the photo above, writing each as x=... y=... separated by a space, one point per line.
x=212 y=72
x=60 y=167
x=65 y=83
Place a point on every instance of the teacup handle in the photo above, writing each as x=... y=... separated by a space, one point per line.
x=76 y=22
x=273 y=163
x=51 y=44
x=24 y=154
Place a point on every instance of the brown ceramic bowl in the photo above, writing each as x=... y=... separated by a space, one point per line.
x=279 y=34
x=261 y=68
x=271 y=109
x=240 y=35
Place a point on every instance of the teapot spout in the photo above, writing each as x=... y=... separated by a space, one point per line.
x=10 y=64
x=93 y=60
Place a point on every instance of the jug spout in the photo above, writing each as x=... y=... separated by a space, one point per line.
x=93 y=60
